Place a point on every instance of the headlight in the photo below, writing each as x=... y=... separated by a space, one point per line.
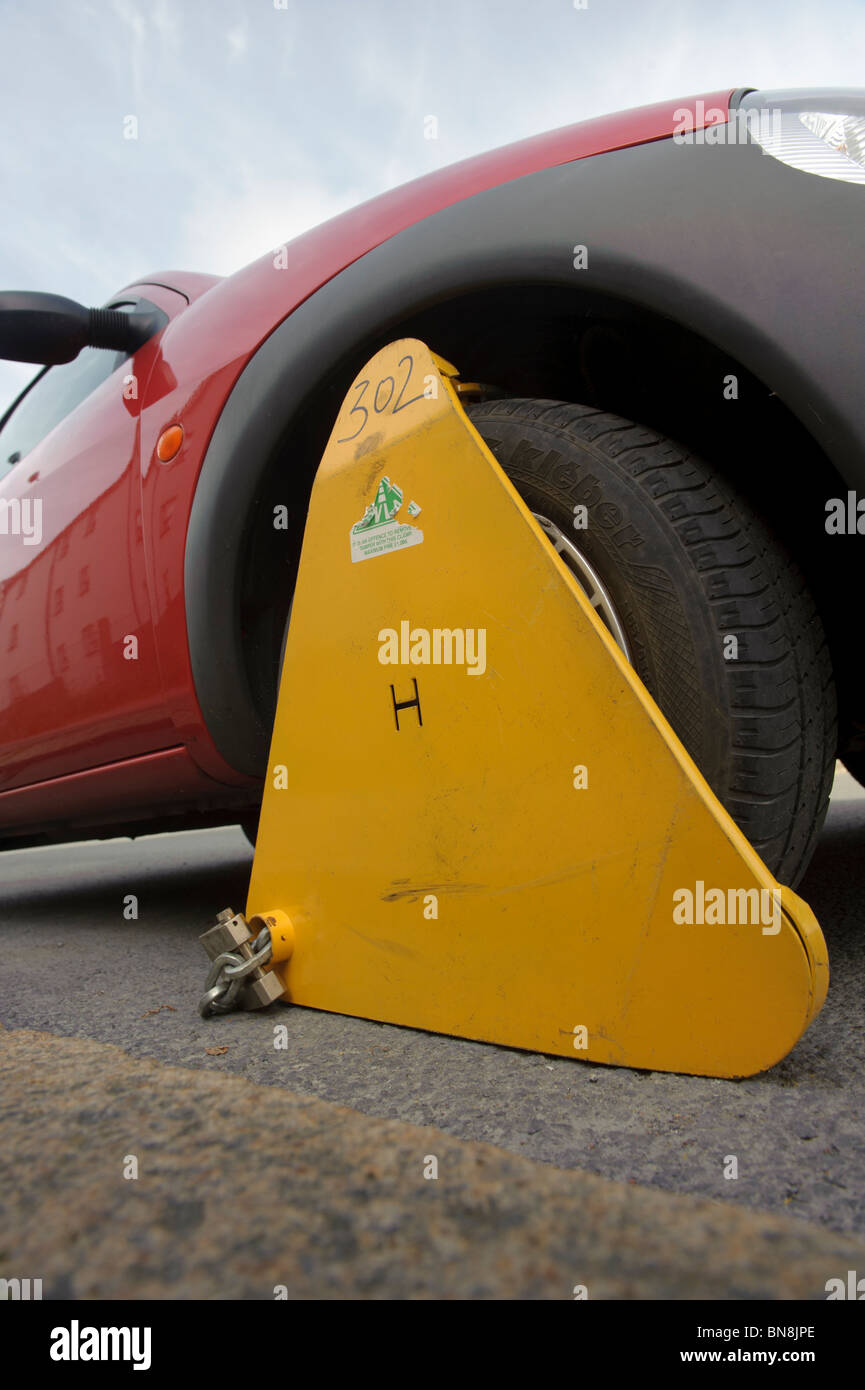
x=819 y=132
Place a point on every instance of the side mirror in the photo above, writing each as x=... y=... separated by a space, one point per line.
x=48 y=329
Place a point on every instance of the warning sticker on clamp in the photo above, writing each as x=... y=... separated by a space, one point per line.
x=378 y=530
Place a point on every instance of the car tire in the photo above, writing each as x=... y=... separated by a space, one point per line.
x=685 y=565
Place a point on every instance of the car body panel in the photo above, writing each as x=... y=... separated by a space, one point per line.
x=168 y=778
x=70 y=602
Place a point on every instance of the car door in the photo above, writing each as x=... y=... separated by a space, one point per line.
x=79 y=681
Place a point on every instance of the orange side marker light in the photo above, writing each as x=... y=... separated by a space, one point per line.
x=169 y=443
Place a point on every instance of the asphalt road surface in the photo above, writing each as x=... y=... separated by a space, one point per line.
x=70 y=964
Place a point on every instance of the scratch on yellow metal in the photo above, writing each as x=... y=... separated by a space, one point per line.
x=442 y=864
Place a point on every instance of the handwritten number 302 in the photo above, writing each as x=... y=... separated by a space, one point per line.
x=382 y=398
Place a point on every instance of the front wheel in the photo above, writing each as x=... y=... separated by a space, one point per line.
x=708 y=607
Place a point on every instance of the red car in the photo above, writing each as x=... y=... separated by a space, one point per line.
x=664 y=310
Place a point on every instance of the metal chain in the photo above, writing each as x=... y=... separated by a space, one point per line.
x=227 y=974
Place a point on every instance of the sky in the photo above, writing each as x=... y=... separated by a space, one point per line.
x=257 y=119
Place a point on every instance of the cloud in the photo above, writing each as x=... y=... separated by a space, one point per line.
x=261 y=215
x=238 y=40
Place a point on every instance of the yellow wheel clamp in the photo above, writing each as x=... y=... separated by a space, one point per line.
x=476 y=820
